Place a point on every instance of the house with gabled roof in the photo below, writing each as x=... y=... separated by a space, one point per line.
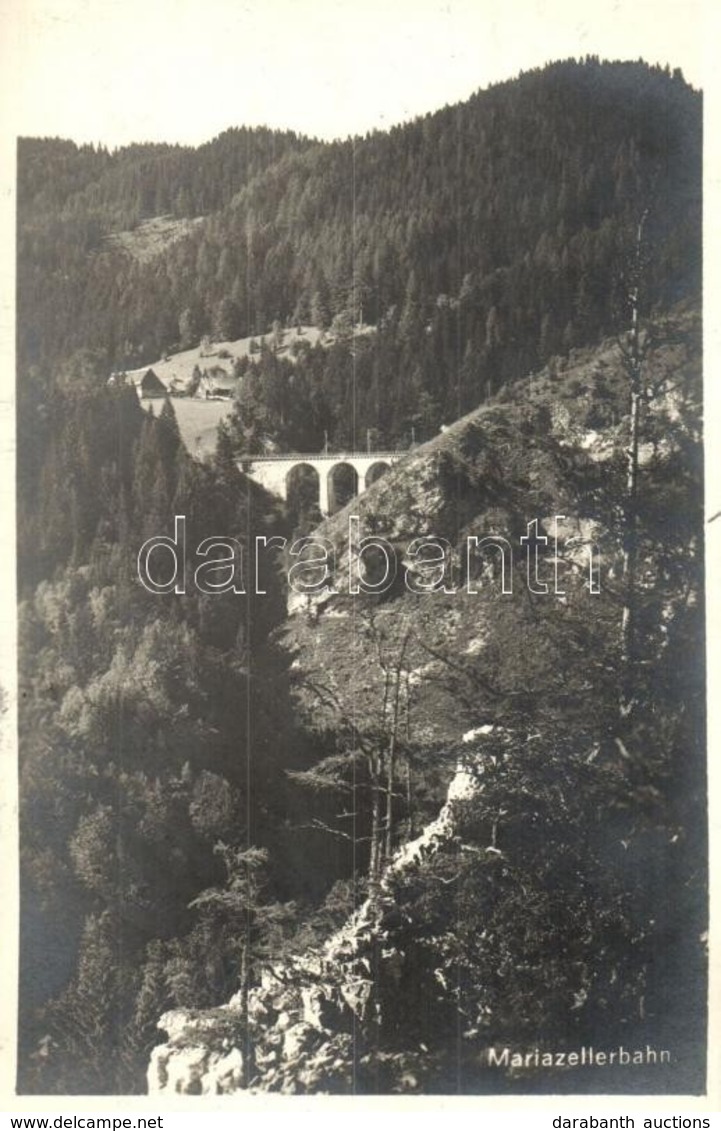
x=146 y=381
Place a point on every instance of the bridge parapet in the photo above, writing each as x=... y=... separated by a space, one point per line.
x=321 y=457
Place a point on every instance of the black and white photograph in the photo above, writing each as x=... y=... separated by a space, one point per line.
x=359 y=723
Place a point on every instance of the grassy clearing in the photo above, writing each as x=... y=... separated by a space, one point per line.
x=152 y=237
x=198 y=422
x=178 y=367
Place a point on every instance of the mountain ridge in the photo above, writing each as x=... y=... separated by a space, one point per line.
x=504 y=223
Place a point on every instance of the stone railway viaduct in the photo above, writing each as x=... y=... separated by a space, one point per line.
x=332 y=471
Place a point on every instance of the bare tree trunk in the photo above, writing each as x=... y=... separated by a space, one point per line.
x=409 y=801
x=390 y=786
x=409 y=775
x=392 y=745
x=633 y=358
x=374 y=865
x=249 y=1059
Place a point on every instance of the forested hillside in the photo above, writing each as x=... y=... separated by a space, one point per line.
x=209 y=789
x=145 y=724
x=480 y=240
x=226 y=797
x=535 y=911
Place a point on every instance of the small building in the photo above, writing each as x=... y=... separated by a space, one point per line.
x=146 y=382
x=178 y=388
x=217 y=384
x=149 y=385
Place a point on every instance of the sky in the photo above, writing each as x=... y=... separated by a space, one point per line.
x=116 y=71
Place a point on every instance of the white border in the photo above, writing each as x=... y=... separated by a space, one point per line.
x=13 y=49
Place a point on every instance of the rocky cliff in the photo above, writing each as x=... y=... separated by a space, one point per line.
x=306 y=1017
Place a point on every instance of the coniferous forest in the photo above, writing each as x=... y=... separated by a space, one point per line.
x=480 y=241
x=213 y=785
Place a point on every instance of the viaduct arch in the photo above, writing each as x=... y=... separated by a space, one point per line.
x=274 y=472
